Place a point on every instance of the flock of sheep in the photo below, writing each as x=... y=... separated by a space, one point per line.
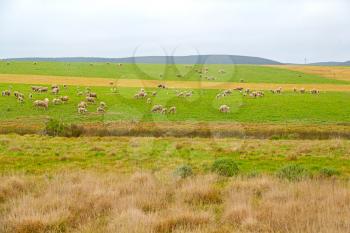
x=91 y=97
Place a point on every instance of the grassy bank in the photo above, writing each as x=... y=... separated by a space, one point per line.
x=40 y=154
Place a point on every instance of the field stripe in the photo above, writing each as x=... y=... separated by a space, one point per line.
x=337 y=73
x=104 y=82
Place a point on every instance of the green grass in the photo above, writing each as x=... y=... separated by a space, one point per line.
x=327 y=107
x=234 y=73
x=40 y=154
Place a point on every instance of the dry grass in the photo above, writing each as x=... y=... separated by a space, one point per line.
x=104 y=82
x=144 y=203
x=333 y=72
x=189 y=129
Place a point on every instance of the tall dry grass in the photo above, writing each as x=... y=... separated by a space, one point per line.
x=143 y=203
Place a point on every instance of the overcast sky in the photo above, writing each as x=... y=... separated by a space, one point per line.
x=284 y=30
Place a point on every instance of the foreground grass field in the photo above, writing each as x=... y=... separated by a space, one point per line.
x=41 y=154
x=88 y=202
x=289 y=107
x=234 y=73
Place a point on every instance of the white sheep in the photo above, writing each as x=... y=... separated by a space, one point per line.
x=42 y=103
x=224 y=109
x=172 y=110
x=157 y=108
x=82 y=110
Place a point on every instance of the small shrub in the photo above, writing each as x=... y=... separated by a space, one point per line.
x=292 y=172
x=183 y=171
x=329 y=172
x=55 y=128
x=225 y=167
x=58 y=128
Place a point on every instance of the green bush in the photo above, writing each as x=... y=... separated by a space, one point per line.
x=183 y=171
x=57 y=128
x=329 y=172
x=292 y=172
x=225 y=167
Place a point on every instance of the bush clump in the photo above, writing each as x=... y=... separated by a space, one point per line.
x=225 y=167
x=183 y=171
x=292 y=172
x=328 y=172
x=57 y=128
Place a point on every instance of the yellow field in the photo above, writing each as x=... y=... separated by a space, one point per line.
x=82 y=81
x=338 y=73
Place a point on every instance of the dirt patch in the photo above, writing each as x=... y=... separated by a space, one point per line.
x=103 y=82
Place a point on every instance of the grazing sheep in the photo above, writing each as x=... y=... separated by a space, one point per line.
x=30 y=96
x=181 y=94
x=21 y=99
x=90 y=99
x=149 y=100
x=302 y=90
x=111 y=83
x=294 y=89
x=64 y=98
x=227 y=92
x=55 y=86
x=189 y=94
x=220 y=95
x=92 y=94
x=65 y=86
x=140 y=95
x=154 y=93
x=164 y=111
x=18 y=94
x=6 y=93
x=82 y=110
x=161 y=86
x=55 y=91
x=157 y=108
x=314 y=91
x=224 y=109
x=101 y=110
x=103 y=104
x=253 y=94
x=43 y=89
x=82 y=104
x=42 y=103
x=56 y=101
x=172 y=110
x=238 y=89
x=222 y=71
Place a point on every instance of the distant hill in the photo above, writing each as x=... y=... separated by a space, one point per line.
x=200 y=59
x=331 y=63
